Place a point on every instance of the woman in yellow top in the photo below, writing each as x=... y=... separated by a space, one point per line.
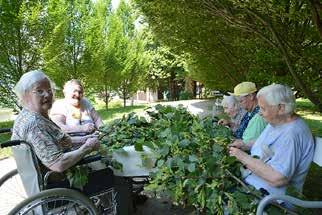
x=74 y=113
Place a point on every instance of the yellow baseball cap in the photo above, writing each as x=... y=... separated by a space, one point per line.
x=244 y=88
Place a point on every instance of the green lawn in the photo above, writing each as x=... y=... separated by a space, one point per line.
x=313 y=184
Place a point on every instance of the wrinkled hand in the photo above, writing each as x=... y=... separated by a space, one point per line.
x=88 y=127
x=223 y=122
x=86 y=137
x=91 y=144
x=236 y=152
x=238 y=143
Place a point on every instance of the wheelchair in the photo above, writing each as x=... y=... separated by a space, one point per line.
x=48 y=192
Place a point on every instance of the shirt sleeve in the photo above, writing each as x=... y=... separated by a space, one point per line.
x=284 y=158
x=87 y=105
x=255 y=127
x=45 y=146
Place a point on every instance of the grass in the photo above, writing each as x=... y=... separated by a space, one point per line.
x=4 y=137
x=118 y=112
x=311 y=115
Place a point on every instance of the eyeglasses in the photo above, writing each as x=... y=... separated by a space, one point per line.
x=243 y=98
x=41 y=92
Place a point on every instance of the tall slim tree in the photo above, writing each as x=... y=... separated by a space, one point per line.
x=21 y=38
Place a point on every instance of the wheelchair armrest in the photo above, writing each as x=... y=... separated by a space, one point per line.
x=295 y=201
x=79 y=134
x=89 y=159
x=11 y=143
x=5 y=130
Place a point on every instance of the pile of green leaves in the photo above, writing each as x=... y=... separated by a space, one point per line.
x=193 y=165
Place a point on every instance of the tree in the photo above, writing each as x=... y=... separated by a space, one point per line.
x=65 y=52
x=230 y=41
x=127 y=44
x=21 y=38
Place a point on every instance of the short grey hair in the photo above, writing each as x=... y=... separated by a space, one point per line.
x=230 y=101
x=276 y=94
x=72 y=81
x=26 y=82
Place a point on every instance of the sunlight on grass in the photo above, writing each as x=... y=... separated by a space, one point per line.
x=309 y=112
x=114 y=113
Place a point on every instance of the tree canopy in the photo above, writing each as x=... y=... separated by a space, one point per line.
x=232 y=41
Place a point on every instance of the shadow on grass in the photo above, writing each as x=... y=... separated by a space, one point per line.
x=113 y=113
x=313 y=184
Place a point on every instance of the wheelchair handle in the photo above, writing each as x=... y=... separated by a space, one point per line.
x=5 y=130
x=89 y=159
x=11 y=143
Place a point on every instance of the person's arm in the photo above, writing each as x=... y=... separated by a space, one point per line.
x=96 y=118
x=80 y=140
x=238 y=143
x=69 y=159
x=60 y=120
x=258 y=167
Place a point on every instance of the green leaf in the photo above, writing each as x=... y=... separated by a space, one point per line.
x=191 y=167
x=138 y=146
x=193 y=158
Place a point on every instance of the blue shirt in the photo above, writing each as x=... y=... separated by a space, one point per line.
x=289 y=150
x=244 y=123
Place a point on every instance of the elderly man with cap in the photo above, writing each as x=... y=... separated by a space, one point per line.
x=252 y=124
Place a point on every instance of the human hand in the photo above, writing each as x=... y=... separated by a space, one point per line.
x=236 y=152
x=86 y=137
x=223 y=122
x=88 y=127
x=237 y=143
x=90 y=145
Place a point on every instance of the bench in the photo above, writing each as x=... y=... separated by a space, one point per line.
x=295 y=201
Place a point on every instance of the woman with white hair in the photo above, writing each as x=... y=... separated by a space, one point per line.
x=51 y=145
x=75 y=113
x=235 y=112
x=285 y=148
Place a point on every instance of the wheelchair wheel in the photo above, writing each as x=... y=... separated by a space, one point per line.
x=56 y=201
x=11 y=191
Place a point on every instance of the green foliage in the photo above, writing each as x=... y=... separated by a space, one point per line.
x=232 y=41
x=184 y=95
x=78 y=176
x=21 y=39
x=192 y=166
x=167 y=70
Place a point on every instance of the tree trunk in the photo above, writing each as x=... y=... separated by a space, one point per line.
x=316 y=8
x=172 y=87
x=190 y=86
x=299 y=82
x=106 y=95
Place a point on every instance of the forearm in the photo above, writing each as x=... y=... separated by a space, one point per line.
x=264 y=171
x=69 y=159
x=61 y=122
x=96 y=119
x=70 y=128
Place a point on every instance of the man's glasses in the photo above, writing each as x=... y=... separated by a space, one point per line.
x=243 y=98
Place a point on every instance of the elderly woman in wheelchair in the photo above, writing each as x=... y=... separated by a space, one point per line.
x=51 y=150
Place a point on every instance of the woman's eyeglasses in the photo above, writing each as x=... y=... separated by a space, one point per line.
x=41 y=92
